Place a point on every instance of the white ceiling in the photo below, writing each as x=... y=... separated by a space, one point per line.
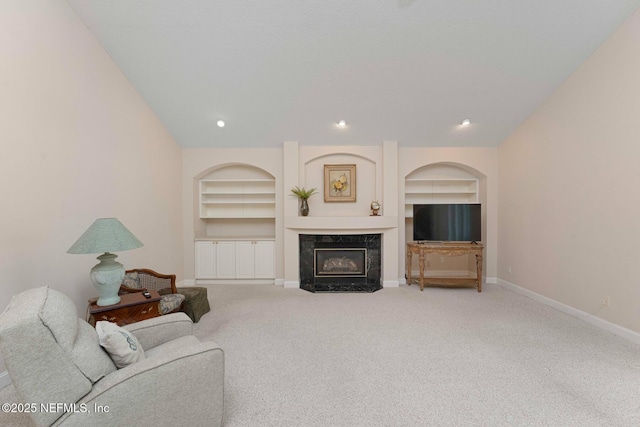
x=405 y=70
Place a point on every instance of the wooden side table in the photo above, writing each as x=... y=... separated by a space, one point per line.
x=132 y=308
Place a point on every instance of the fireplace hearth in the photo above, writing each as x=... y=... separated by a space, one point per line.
x=340 y=263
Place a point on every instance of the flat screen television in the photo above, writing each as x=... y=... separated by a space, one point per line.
x=447 y=222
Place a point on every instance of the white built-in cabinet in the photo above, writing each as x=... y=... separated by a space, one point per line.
x=235 y=259
x=255 y=259
x=215 y=259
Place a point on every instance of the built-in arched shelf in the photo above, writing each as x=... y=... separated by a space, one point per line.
x=440 y=183
x=234 y=201
x=235 y=233
x=237 y=191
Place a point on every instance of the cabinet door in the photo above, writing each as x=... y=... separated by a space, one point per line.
x=205 y=260
x=264 y=259
x=225 y=259
x=245 y=260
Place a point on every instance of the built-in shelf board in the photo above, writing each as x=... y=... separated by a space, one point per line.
x=435 y=191
x=238 y=198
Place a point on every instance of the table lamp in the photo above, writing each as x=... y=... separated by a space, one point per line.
x=106 y=235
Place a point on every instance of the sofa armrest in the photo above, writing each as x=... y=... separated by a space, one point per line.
x=159 y=330
x=181 y=387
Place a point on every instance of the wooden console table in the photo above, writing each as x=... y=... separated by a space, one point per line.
x=447 y=249
x=132 y=308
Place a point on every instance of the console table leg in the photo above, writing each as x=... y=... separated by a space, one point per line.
x=421 y=258
x=479 y=271
x=409 y=255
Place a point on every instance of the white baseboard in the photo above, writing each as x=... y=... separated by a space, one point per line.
x=390 y=283
x=291 y=284
x=618 y=330
x=279 y=282
x=199 y=282
x=5 y=379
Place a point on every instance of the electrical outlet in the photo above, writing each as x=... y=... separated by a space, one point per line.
x=509 y=269
x=606 y=301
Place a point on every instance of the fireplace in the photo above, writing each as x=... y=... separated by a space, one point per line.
x=345 y=262
x=340 y=263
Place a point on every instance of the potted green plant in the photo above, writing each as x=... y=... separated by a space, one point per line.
x=303 y=195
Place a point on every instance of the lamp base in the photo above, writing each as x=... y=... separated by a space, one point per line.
x=107 y=277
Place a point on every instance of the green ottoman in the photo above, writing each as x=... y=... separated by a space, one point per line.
x=195 y=302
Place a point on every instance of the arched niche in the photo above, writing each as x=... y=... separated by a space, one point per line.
x=445 y=182
x=368 y=182
x=445 y=170
x=238 y=215
x=233 y=171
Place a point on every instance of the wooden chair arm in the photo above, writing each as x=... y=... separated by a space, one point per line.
x=152 y=273
x=149 y=272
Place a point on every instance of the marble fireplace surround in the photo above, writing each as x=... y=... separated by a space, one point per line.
x=347 y=247
x=385 y=226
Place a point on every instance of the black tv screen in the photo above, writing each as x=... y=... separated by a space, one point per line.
x=447 y=222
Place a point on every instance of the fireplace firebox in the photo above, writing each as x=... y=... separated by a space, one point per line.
x=349 y=262
x=340 y=263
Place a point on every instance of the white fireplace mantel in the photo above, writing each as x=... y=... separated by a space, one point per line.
x=340 y=223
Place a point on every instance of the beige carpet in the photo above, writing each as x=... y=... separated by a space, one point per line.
x=401 y=357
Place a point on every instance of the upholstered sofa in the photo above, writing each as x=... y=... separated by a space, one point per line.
x=54 y=358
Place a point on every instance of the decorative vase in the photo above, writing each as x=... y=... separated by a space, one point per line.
x=304 y=207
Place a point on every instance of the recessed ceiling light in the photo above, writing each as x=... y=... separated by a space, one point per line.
x=220 y=123
x=465 y=122
x=342 y=124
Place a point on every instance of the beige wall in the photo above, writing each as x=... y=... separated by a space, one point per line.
x=569 y=197
x=78 y=142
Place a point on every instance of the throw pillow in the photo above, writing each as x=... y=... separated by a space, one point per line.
x=121 y=345
x=132 y=280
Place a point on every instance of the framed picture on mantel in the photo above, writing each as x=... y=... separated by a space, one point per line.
x=339 y=183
